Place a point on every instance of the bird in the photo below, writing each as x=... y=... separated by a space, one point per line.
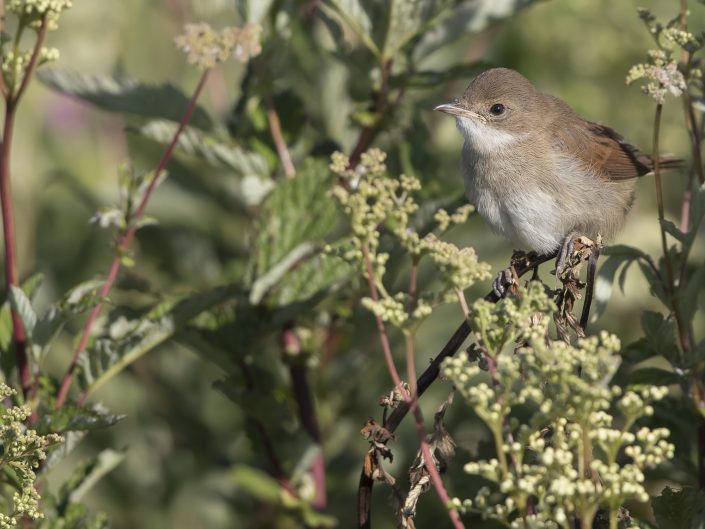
x=538 y=172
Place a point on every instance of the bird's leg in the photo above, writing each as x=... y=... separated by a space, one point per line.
x=590 y=285
x=508 y=277
x=565 y=252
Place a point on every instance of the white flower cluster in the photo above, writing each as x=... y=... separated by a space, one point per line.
x=23 y=449
x=31 y=12
x=578 y=450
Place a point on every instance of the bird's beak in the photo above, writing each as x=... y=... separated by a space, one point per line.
x=457 y=109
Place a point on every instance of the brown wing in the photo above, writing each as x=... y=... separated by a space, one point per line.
x=617 y=158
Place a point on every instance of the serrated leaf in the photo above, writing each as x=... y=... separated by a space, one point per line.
x=74 y=418
x=216 y=152
x=677 y=509
x=253 y=182
x=319 y=273
x=124 y=95
x=23 y=306
x=297 y=215
x=107 y=357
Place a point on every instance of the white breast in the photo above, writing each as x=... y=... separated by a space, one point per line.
x=531 y=218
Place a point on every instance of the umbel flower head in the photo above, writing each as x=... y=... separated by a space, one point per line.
x=205 y=47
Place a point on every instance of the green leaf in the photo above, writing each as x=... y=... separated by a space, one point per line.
x=677 y=509
x=101 y=465
x=256 y=10
x=269 y=491
x=29 y=288
x=697 y=208
x=108 y=357
x=434 y=78
x=217 y=152
x=268 y=280
x=409 y=18
x=124 y=95
x=75 y=418
x=295 y=218
x=466 y=18
x=253 y=181
x=654 y=376
x=660 y=334
x=23 y=306
x=357 y=18
x=674 y=231
x=688 y=296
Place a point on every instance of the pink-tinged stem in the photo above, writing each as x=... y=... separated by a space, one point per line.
x=123 y=245
x=410 y=399
x=19 y=335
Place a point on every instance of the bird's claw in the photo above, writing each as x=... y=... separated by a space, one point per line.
x=564 y=254
x=504 y=281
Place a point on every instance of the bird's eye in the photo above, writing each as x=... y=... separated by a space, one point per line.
x=497 y=109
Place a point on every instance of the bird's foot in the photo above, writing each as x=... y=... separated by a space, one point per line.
x=504 y=283
x=565 y=253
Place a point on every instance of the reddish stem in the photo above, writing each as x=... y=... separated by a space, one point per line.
x=19 y=334
x=123 y=245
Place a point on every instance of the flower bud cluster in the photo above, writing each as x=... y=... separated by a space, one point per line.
x=564 y=453
x=23 y=449
x=205 y=47
x=373 y=201
x=31 y=12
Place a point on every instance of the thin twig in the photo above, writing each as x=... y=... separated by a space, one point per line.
x=275 y=128
x=384 y=339
x=368 y=133
x=124 y=244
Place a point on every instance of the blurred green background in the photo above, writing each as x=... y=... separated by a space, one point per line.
x=182 y=436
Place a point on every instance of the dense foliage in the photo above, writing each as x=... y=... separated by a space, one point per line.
x=284 y=247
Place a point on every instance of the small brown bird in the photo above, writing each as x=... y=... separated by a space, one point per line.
x=536 y=171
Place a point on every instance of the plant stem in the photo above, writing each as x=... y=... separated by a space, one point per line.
x=275 y=130
x=124 y=244
x=19 y=335
x=368 y=133
x=669 y=286
x=384 y=339
x=409 y=398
